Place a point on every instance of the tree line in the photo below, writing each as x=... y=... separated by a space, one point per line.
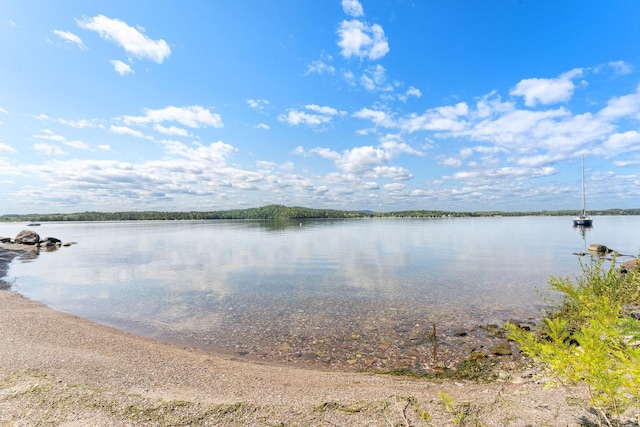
x=275 y=212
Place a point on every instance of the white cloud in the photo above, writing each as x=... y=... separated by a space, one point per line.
x=506 y=173
x=361 y=159
x=121 y=67
x=123 y=130
x=319 y=116
x=80 y=124
x=447 y=118
x=622 y=106
x=451 y=161
x=365 y=159
x=352 y=8
x=370 y=185
x=621 y=143
x=362 y=40
x=547 y=91
x=411 y=92
x=415 y=92
x=621 y=67
x=49 y=149
x=379 y=118
x=216 y=152
x=295 y=117
x=193 y=116
x=51 y=136
x=4 y=148
x=70 y=38
x=320 y=67
x=374 y=78
x=395 y=173
x=171 y=130
x=3 y=111
x=130 y=39
x=258 y=104
x=263 y=126
x=396 y=186
x=324 y=110
x=104 y=147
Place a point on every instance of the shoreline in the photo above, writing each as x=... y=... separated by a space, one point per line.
x=59 y=369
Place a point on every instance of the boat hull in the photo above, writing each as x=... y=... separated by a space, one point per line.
x=583 y=222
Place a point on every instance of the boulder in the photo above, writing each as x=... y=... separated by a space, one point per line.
x=27 y=237
x=630 y=265
x=598 y=248
x=5 y=239
x=49 y=242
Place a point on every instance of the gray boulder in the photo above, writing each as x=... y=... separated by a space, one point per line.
x=27 y=237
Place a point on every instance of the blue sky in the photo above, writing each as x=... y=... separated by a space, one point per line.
x=384 y=105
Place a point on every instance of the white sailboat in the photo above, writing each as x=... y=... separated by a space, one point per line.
x=583 y=219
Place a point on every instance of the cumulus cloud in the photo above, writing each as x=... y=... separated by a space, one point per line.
x=359 y=39
x=193 y=116
x=352 y=8
x=621 y=143
x=70 y=38
x=131 y=39
x=121 y=67
x=446 y=118
x=547 y=91
x=363 y=160
x=379 y=118
x=395 y=173
x=258 y=104
x=622 y=106
x=412 y=92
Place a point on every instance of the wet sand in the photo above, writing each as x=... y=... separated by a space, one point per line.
x=58 y=369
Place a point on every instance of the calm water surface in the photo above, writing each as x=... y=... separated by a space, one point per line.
x=355 y=293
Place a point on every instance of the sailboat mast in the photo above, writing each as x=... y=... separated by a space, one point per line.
x=583 y=199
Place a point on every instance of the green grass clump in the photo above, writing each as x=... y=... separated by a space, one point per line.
x=590 y=338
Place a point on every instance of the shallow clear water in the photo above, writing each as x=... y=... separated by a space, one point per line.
x=359 y=293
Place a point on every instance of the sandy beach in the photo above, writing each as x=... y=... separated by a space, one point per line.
x=60 y=370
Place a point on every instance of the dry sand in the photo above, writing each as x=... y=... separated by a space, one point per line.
x=60 y=370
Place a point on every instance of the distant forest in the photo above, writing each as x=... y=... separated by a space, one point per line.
x=280 y=212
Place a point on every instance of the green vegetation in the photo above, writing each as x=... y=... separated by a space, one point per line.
x=593 y=339
x=280 y=212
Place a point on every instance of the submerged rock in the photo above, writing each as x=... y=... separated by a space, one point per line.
x=501 y=349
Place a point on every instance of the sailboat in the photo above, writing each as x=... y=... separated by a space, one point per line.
x=583 y=219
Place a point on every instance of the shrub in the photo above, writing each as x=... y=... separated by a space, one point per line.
x=590 y=338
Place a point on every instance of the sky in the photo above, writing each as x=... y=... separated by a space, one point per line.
x=381 y=105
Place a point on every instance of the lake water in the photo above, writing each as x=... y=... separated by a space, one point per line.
x=360 y=294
